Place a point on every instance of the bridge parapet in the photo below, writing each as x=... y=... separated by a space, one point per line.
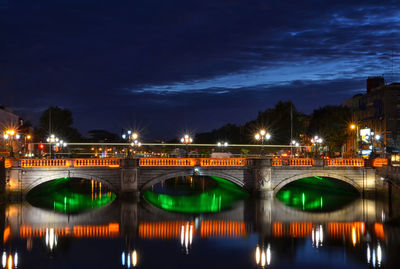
x=90 y=162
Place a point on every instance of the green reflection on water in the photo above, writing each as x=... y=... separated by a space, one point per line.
x=69 y=195
x=317 y=194
x=221 y=197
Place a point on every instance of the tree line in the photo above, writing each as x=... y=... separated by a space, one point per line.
x=284 y=122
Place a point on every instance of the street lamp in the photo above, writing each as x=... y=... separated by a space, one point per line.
x=263 y=136
x=132 y=138
x=222 y=145
x=186 y=139
x=55 y=142
x=354 y=143
x=294 y=143
x=317 y=141
x=9 y=135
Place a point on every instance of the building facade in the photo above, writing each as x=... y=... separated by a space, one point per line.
x=379 y=111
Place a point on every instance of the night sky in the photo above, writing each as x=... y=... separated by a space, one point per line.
x=169 y=66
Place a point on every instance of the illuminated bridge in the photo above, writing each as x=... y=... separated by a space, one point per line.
x=264 y=176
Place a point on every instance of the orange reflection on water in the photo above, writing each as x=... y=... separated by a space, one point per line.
x=379 y=232
x=161 y=230
x=353 y=230
x=295 y=229
x=222 y=228
x=207 y=228
x=110 y=230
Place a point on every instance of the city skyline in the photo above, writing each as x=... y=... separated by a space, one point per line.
x=170 y=67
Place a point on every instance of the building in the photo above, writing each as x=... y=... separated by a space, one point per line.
x=376 y=116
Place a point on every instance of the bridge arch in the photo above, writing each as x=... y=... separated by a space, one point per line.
x=216 y=173
x=288 y=180
x=56 y=175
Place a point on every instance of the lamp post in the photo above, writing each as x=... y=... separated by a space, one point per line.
x=294 y=143
x=9 y=135
x=354 y=142
x=262 y=136
x=317 y=141
x=186 y=139
x=222 y=145
x=133 y=139
x=55 y=142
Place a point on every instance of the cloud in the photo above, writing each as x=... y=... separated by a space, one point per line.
x=116 y=59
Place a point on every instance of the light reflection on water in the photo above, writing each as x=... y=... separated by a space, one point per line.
x=253 y=234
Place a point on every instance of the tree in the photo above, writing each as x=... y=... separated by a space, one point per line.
x=57 y=121
x=276 y=120
x=330 y=123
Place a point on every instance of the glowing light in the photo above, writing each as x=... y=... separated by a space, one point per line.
x=123 y=259
x=9 y=262
x=353 y=236
x=352 y=126
x=268 y=252
x=4 y=259
x=134 y=258
x=263 y=261
x=379 y=254
x=258 y=255
x=16 y=259
x=368 y=254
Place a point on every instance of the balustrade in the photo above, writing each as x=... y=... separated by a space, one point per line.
x=45 y=162
x=167 y=162
x=110 y=162
x=217 y=162
x=345 y=162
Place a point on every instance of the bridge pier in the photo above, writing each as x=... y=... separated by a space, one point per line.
x=129 y=179
x=263 y=179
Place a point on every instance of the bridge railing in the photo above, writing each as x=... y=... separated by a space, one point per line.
x=46 y=162
x=345 y=162
x=292 y=162
x=217 y=162
x=109 y=162
x=167 y=162
x=301 y=162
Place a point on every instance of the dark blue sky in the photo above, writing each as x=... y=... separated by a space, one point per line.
x=169 y=66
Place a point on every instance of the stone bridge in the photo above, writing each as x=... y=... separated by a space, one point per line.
x=264 y=176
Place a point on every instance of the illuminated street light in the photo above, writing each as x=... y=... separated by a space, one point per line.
x=222 y=145
x=262 y=136
x=186 y=139
x=133 y=139
x=317 y=141
x=9 y=135
x=55 y=143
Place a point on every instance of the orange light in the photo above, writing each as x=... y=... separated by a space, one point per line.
x=28 y=137
x=10 y=132
x=353 y=126
x=6 y=234
x=7 y=163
